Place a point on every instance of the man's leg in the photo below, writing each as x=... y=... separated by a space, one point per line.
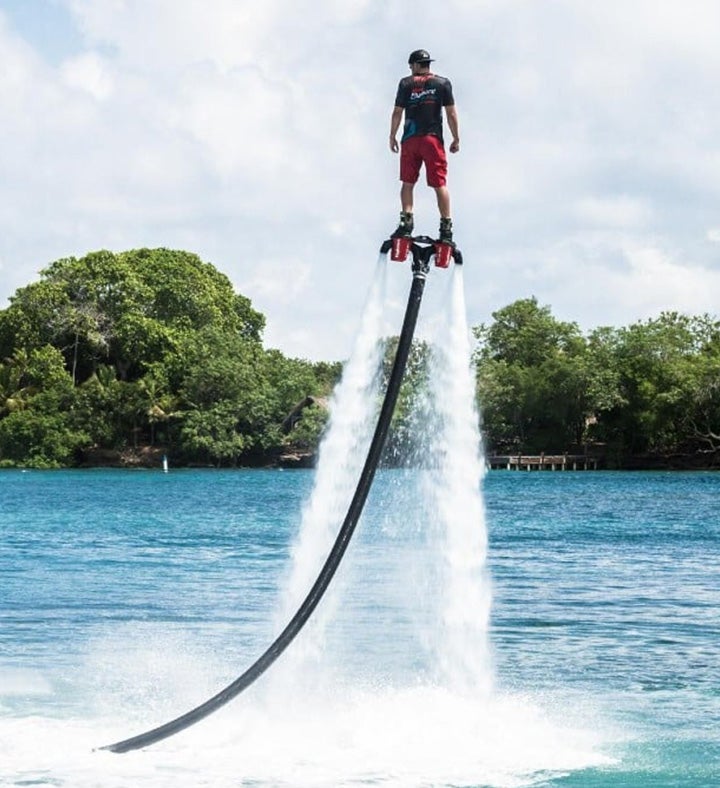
x=436 y=166
x=406 y=197
x=407 y=224
x=410 y=163
x=443 y=201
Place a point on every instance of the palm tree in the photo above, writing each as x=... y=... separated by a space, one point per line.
x=13 y=394
x=161 y=404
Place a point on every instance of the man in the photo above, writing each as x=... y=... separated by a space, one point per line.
x=421 y=96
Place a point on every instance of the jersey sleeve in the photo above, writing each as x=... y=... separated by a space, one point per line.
x=448 y=99
x=402 y=96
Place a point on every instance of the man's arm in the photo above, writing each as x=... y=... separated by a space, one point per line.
x=452 y=119
x=395 y=120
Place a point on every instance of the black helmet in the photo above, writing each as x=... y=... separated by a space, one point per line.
x=419 y=56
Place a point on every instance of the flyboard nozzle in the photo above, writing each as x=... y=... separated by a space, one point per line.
x=420 y=266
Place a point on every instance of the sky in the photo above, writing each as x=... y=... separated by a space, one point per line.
x=256 y=135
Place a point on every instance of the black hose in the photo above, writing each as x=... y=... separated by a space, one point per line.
x=298 y=621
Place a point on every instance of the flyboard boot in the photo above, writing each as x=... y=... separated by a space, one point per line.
x=444 y=246
x=402 y=238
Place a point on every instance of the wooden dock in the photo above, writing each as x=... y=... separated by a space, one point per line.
x=542 y=462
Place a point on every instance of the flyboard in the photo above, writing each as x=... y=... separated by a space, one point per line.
x=423 y=249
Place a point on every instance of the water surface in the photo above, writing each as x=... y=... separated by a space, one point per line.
x=128 y=596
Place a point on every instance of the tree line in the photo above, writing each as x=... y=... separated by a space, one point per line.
x=645 y=395
x=118 y=352
x=113 y=355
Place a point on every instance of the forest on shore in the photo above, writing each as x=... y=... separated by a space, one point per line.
x=117 y=358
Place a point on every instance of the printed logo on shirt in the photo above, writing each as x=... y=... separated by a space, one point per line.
x=421 y=94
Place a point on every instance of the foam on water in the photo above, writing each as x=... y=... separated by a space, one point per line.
x=22 y=683
x=339 y=736
x=336 y=736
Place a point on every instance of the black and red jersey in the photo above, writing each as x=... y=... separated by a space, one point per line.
x=423 y=97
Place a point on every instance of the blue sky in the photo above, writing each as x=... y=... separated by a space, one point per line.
x=255 y=134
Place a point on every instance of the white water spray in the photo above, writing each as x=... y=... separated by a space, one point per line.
x=446 y=593
x=341 y=457
x=453 y=490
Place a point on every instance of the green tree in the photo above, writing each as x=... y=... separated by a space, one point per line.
x=159 y=405
x=308 y=430
x=113 y=412
x=15 y=388
x=291 y=382
x=128 y=310
x=665 y=374
x=704 y=420
x=226 y=382
x=214 y=434
x=534 y=380
x=41 y=433
x=122 y=324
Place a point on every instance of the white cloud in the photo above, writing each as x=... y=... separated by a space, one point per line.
x=616 y=211
x=283 y=282
x=88 y=72
x=614 y=281
x=656 y=281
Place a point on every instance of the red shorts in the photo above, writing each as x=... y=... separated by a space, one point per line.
x=427 y=150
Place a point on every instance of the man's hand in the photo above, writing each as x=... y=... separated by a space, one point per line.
x=395 y=122
x=452 y=119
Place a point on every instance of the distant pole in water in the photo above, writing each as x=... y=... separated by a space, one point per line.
x=165 y=463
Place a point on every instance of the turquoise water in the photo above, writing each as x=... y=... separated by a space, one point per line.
x=127 y=597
